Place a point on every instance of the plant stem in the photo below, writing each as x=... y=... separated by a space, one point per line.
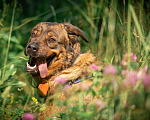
x=27 y=101
x=137 y=25
x=129 y=36
x=111 y=28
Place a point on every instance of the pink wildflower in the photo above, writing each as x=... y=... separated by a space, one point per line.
x=59 y=80
x=28 y=116
x=110 y=70
x=142 y=72
x=66 y=90
x=123 y=62
x=145 y=68
x=71 y=105
x=55 y=118
x=146 y=80
x=131 y=79
x=66 y=87
x=100 y=104
x=84 y=86
x=124 y=72
x=94 y=67
x=134 y=58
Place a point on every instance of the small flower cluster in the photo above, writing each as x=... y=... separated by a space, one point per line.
x=100 y=104
x=94 y=67
x=132 y=57
x=110 y=70
x=132 y=77
x=35 y=100
x=84 y=86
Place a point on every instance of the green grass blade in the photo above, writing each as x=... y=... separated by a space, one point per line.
x=129 y=36
x=54 y=13
x=84 y=14
x=138 y=27
x=111 y=28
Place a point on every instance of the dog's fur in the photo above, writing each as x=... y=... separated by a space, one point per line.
x=57 y=45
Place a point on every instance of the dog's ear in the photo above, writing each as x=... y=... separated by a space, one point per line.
x=73 y=30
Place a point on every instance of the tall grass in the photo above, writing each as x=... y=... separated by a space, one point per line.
x=115 y=30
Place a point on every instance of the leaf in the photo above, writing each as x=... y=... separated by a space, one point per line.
x=19 y=47
x=12 y=66
x=6 y=92
x=5 y=37
x=10 y=72
x=12 y=83
x=19 y=84
x=93 y=92
x=133 y=65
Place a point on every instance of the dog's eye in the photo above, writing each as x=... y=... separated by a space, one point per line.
x=51 y=40
x=33 y=34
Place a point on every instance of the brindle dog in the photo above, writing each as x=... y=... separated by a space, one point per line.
x=54 y=51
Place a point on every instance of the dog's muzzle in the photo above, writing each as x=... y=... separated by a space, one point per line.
x=32 y=49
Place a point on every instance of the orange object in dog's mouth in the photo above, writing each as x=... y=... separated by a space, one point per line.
x=37 y=65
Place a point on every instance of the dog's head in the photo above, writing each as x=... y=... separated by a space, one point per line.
x=52 y=47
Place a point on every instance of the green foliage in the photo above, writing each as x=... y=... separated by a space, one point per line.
x=11 y=114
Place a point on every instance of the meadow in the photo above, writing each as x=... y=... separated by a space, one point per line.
x=119 y=35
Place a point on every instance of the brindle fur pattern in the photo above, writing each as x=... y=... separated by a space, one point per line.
x=60 y=39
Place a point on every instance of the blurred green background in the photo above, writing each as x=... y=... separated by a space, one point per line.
x=113 y=27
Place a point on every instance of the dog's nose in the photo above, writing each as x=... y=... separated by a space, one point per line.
x=33 y=47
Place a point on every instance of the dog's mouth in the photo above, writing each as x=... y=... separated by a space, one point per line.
x=38 y=65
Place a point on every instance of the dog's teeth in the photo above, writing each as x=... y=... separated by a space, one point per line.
x=31 y=66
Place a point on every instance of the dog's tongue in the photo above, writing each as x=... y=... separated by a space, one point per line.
x=43 y=70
